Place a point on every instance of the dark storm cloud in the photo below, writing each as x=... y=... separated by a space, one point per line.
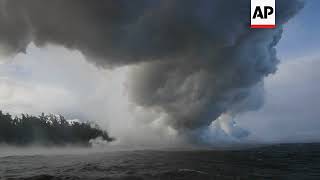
x=197 y=58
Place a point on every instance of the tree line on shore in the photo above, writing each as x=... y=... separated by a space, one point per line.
x=48 y=130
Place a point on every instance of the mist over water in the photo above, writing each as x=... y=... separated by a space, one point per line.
x=277 y=162
x=171 y=80
x=34 y=150
x=154 y=74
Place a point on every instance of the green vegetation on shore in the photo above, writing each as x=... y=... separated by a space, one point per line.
x=48 y=130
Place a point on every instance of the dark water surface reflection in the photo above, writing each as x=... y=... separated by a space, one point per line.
x=296 y=161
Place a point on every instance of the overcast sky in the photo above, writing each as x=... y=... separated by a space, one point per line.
x=64 y=82
x=291 y=112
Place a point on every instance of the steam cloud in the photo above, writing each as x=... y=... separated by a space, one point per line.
x=193 y=60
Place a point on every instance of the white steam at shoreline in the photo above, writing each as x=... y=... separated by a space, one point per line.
x=177 y=66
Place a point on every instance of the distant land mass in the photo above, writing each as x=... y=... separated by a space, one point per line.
x=48 y=130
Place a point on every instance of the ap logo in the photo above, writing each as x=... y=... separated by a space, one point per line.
x=263 y=13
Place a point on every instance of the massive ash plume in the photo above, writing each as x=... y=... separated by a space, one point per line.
x=193 y=59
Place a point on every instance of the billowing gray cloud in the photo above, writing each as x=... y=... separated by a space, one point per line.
x=194 y=59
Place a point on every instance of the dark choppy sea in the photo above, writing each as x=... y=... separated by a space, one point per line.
x=295 y=161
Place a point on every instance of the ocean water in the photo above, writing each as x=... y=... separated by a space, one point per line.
x=295 y=161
